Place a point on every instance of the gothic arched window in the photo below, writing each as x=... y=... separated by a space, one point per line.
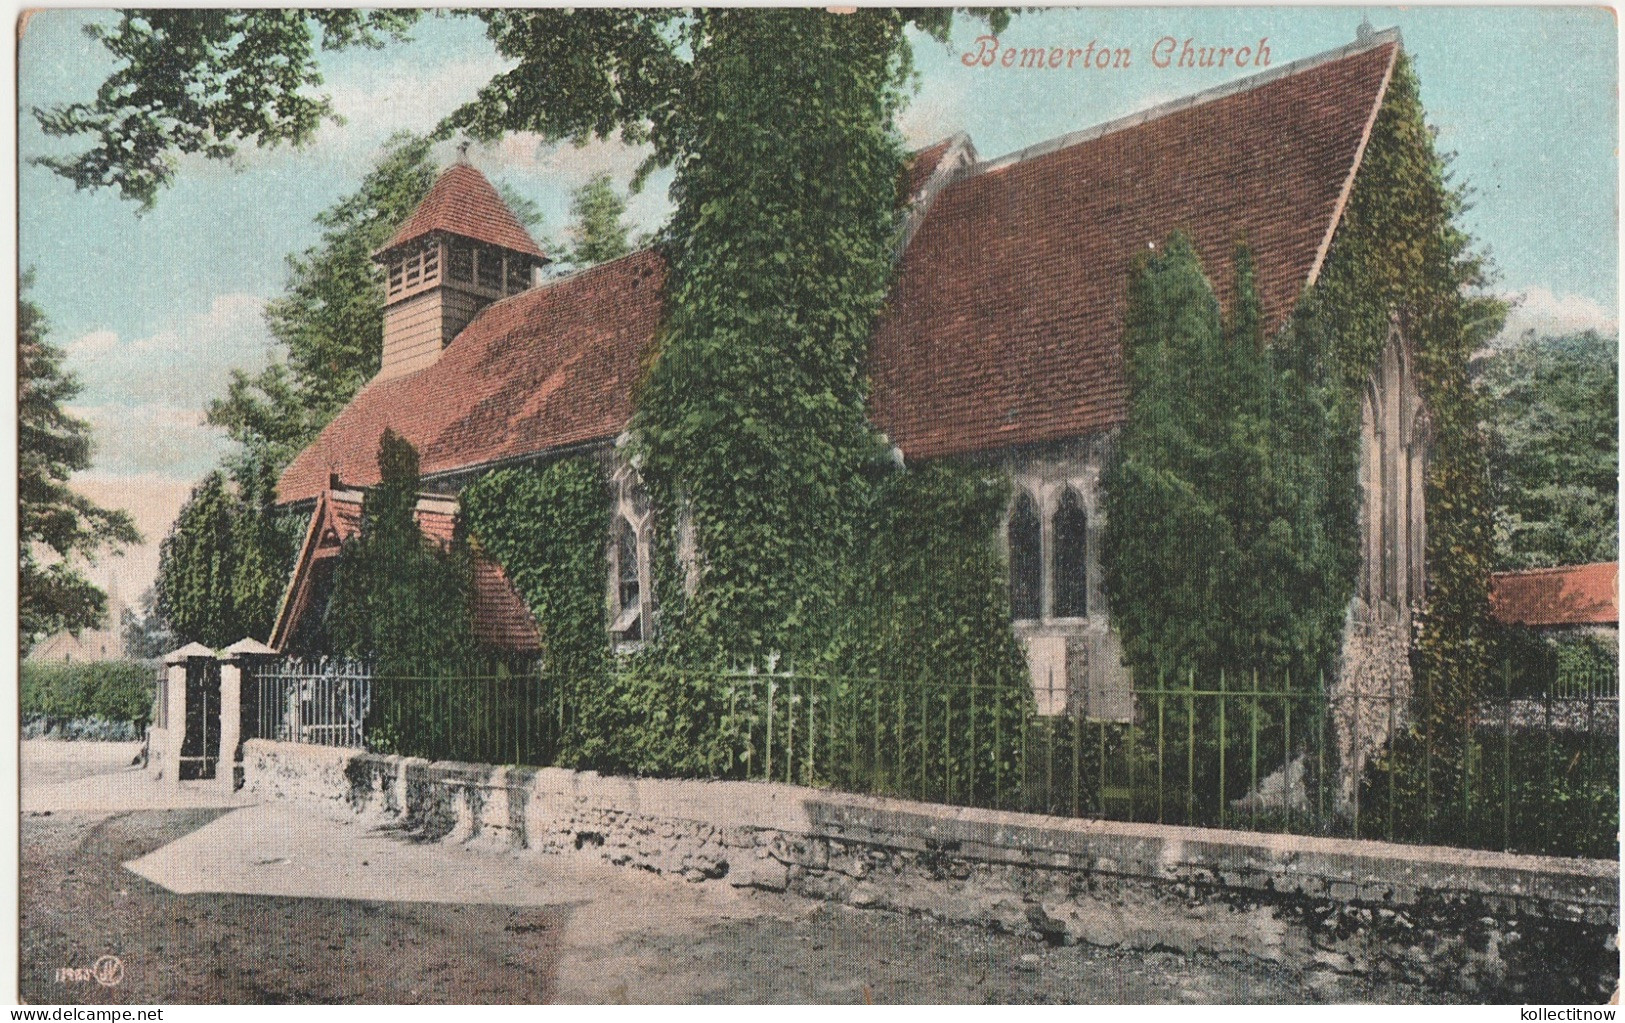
x=628 y=625
x=1026 y=559
x=1070 y=569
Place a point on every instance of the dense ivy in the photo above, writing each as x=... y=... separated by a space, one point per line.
x=927 y=617
x=1399 y=250
x=752 y=421
x=400 y=599
x=922 y=645
x=547 y=527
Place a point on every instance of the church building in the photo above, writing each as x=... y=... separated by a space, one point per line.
x=1001 y=341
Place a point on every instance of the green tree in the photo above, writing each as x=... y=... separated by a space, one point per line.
x=753 y=417
x=330 y=319
x=195 y=567
x=144 y=634
x=1553 y=419
x=224 y=565
x=400 y=600
x=528 y=212
x=597 y=227
x=1218 y=553
x=776 y=426
x=55 y=526
x=205 y=82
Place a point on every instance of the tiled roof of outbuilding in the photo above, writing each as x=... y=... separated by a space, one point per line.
x=501 y=618
x=1571 y=595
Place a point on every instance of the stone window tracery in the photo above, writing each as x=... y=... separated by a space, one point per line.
x=1394 y=438
x=1025 y=535
x=630 y=589
x=1069 y=573
x=628 y=625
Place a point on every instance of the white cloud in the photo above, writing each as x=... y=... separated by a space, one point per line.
x=93 y=344
x=185 y=365
x=933 y=114
x=388 y=97
x=1545 y=312
x=564 y=163
x=167 y=440
x=373 y=100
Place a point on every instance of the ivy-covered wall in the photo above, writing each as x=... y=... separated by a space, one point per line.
x=924 y=611
x=811 y=543
x=547 y=527
x=1400 y=249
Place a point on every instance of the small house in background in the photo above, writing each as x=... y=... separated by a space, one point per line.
x=103 y=644
x=1569 y=599
x=1001 y=342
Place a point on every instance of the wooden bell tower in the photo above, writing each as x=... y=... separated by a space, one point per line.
x=461 y=249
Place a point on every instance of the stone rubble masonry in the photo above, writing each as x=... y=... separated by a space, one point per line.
x=1466 y=920
x=1371 y=694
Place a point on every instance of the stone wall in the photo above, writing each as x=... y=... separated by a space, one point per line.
x=1508 y=927
x=1372 y=691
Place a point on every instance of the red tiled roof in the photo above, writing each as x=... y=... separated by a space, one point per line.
x=1572 y=595
x=463 y=203
x=501 y=617
x=548 y=367
x=1004 y=326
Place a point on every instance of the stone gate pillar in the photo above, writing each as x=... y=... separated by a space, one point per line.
x=235 y=663
x=167 y=758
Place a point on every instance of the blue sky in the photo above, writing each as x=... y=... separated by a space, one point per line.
x=156 y=309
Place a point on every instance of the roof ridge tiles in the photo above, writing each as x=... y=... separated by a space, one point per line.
x=463 y=202
x=1559 y=569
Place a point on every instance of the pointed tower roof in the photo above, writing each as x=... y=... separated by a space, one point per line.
x=463 y=203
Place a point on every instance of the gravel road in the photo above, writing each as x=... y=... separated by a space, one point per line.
x=612 y=936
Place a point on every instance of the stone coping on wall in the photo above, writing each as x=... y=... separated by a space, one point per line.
x=527 y=807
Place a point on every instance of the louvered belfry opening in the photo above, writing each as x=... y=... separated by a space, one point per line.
x=461 y=250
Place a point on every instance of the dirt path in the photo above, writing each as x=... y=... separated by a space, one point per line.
x=259 y=905
x=79 y=904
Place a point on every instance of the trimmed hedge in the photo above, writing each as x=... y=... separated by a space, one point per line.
x=110 y=690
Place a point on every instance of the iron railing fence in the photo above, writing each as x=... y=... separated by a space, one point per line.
x=1533 y=775
x=490 y=712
